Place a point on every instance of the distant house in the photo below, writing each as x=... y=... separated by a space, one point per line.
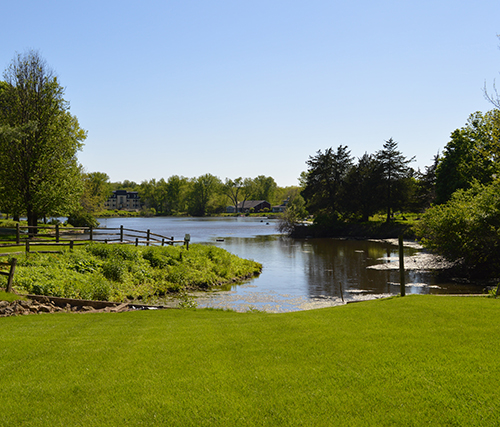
x=282 y=207
x=124 y=200
x=250 y=206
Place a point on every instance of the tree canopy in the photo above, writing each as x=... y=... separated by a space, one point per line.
x=39 y=140
x=471 y=155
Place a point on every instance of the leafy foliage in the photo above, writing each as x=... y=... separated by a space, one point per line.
x=325 y=180
x=472 y=154
x=39 y=139
x=467 y=228
x=116 y=272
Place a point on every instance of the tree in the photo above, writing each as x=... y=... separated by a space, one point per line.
x=176 y=194
x=96 y=190
x=203 y=189
x=294 y=213
x=426 y=186
x=39 y=139
x=264 y=188
x=325 y=179
x=232 y=189
x=472 y=154
x=362 y=187
x=395 y=168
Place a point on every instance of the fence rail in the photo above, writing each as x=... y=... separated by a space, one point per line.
x=45 y=235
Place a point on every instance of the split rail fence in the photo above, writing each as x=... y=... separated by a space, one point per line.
x=45 y=235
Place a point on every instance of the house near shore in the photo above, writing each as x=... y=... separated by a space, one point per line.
x=124 y=200
x=282 y=207
x=250 y=206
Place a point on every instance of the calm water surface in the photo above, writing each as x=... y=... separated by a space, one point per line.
x=298 y=274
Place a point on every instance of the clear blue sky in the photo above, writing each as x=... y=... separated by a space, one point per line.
x=246 y=88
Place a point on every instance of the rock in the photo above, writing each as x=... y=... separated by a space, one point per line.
x=45 y=308
x=120 y=308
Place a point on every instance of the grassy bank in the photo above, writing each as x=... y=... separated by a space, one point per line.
x=118 y=272
x=421 y=360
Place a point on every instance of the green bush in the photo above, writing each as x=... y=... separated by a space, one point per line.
x=82 y=219
x=466 y=229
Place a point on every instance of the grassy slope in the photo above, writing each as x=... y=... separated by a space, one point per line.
x=405 y=361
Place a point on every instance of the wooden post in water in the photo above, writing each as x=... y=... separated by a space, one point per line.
x=402 y=266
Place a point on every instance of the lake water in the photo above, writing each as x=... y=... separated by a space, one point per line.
x=298 y=274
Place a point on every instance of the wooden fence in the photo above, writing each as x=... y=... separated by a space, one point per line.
x=45 y=235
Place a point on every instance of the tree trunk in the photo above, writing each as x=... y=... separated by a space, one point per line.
x=32 y=222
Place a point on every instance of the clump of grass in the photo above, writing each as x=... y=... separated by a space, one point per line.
x=117 y=272
x=9 y=296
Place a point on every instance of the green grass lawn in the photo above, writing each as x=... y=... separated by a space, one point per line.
x=419 y=360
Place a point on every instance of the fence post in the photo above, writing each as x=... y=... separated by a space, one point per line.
x=402 y=266
x=163 y=242
x=121 y=233
x=18 y=234
x=13 y=263
x=91 y=230
x=28 y=245
x=57 y=233
x=136 y=241
x=148 y=234
x=71 y=245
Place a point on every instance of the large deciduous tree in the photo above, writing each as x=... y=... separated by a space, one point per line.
x=471 y=155
x=203 y=190
x=39 y=140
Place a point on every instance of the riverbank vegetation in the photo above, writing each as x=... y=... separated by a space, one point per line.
x=418 y=360
x=122 y=272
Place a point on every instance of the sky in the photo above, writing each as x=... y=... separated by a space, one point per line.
x=246 y=88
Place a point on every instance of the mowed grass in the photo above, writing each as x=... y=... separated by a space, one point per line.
x=418 y=360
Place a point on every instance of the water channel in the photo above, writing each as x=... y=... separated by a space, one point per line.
x=298 y=274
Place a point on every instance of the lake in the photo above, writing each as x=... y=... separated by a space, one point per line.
x=298 y=274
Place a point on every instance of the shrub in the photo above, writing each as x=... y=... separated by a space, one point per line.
x=466 y=228
x=82 y=219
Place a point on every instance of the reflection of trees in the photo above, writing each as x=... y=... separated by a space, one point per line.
x=334 y=262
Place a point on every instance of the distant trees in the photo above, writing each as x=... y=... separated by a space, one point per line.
x=335 y=185
x=363 y=187
x=201 y=194
x=39 y=139
x=96 y=190
x=325 y=180
x=395 y=172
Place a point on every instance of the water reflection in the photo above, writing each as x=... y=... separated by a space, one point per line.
x=297 y=274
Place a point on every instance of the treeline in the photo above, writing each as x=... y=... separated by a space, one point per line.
x=337 y=186
x=203 y=195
